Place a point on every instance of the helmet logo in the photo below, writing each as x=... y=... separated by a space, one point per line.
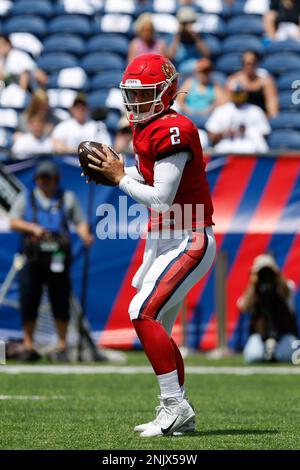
x=133 y=82
x=167 y=70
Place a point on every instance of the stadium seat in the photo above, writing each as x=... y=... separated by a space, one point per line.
x=73 y=78
x=198 y=120
x=120 y=6
x=248 y=24
x=286 y=139
x=112 y=121
x=285 y=82
x=53 y=61
x=286 y=120
x=117 y=44
x=241 y=43
x=27 y=42
x=61 y=98
x=32 y=7
x=96 y=62
x=97 y=99
x=283 y=46
x=281 y=63
x=64 y=43
x=28 y=24
x=165 y=23
x=210 y=24
x=73 y=24
x=167 y=6
x=286 y=101
x=13 y=96
x=106 y=80
x=8 y=118
x=213 y=43
x=6 y=138
x=229 y=63
x=80 y=7
x=114 y=23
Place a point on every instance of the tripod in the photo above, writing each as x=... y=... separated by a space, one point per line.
x=78 y=328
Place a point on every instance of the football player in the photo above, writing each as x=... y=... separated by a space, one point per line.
x=169 y=175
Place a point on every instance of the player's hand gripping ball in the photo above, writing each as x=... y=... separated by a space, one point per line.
x=97 y=163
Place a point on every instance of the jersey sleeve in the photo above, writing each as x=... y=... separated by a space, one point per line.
x=170 y=137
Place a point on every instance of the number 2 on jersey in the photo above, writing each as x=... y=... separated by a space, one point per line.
x=175 y=133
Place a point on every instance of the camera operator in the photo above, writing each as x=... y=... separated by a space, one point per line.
x=43 y=216
x=269 y=300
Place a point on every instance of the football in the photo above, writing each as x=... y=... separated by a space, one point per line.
x=85 y=148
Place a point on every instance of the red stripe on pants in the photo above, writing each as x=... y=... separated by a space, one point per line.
x=186 y=262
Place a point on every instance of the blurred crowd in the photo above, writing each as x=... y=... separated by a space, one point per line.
x=232 y=112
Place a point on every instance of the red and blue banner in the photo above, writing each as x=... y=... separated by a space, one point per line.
x=257 y=209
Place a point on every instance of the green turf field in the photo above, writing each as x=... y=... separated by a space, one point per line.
x=99 y=411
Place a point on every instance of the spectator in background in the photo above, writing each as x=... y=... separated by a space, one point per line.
x=282 y=21
x=36 y=140
x=187 y=45
x=123 y=138
x=199 y=94
x=269 y=299
x=260 y=85
x=43 y=216
x=68 y=134
x=145 y=41
x=39 y=104
x=18 y=67
x=238 y=126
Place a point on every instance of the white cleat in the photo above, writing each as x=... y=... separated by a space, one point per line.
x=174 y=416
x=186 y=428
x=156 y=421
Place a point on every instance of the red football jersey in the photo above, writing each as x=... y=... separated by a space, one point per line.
x=168 y=134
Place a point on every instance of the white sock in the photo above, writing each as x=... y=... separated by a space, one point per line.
x=182 y=388
x=169 y=385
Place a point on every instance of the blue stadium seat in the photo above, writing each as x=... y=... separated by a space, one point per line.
x=237 y=8
x=241 y=43
x=211 y=24
x=285 y=82
x=112 y=121
x=248 y=24
x=32 y=7
x=213 y=43
x=286 y=120
x=229 y=63
x=281 y=63
x=6 y=138
x=110 y=43
x=73 y=24
x=53 y=62
x=283 y=46
x=198 y=120
x=285 y=139
x=96 y=62
x=97 y=99
x=286 y=101
x=25 y=24
x=64 y=43
x=106 y=80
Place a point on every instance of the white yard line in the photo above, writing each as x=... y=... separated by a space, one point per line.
x=134 y=370
x=29 y=397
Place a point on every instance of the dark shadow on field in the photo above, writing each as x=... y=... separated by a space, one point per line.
x=230 y=432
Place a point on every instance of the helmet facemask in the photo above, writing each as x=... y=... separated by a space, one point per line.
x=141 y=108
